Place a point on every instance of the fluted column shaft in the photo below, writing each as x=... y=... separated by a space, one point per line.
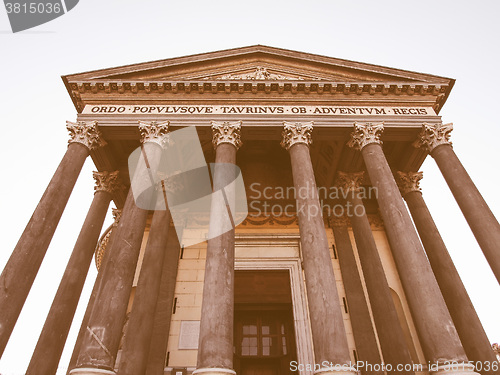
x=469 y=327
x=104 y=330
x=484 y=225
x=217 y=313
x=137 y=338
x=164 y=304
x=50 y=345
x=362 y=328
x=327 y=325
x=438 y=336
x=23 y=265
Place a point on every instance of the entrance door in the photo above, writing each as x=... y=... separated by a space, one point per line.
x=263 y=331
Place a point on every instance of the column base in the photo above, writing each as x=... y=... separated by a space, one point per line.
x=90 y=371
x=336 y=370
x=461 y=368
x=214 y=371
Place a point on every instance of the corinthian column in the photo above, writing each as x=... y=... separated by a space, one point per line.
x=469 y=328
x=137 y=339
x=392 y=341
x=164 y=303
x=439 y=339
x=106 y=242
x=104 y=330
x=435 y=140
x=23 y=265
x=55 y=330
x=215 y=352
x=362 y=327
x=329 y=336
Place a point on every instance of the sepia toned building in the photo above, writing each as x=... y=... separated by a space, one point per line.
x=336 y=268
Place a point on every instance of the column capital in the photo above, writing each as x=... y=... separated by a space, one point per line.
x=154 y=132
x=433 y=135
x=107 y=181
x=226 y=132
x=349 y=182
x=296 y=132
x=409 y=181
x=365 y=134
x=85 y=133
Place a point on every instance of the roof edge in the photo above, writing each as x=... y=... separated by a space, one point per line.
x=233 y=52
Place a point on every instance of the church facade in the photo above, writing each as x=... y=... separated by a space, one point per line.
x=314 y=251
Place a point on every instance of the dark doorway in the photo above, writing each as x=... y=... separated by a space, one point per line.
x=264 y=334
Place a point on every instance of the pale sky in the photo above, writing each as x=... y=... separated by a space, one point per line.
x=456 y=39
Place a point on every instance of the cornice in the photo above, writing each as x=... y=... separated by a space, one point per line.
x=243 y=86
x=250 y=85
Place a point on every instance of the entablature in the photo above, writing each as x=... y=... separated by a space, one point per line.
x=257 y=75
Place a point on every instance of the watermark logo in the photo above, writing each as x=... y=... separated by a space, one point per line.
x=26 y=14
x=210 y=198
x=279 y=201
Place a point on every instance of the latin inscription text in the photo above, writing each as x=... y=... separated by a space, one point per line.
x=257 y=110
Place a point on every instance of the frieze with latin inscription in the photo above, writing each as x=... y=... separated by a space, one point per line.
x=257 y=110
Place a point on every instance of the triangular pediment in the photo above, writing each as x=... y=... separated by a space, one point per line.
x=255 y=63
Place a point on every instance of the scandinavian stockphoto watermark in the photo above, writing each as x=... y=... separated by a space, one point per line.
x=277 y=201
x=196 y=194
x=26 y=14
x=355 y=367
x=445 y=366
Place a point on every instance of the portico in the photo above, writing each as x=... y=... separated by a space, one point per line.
x=335 y=286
